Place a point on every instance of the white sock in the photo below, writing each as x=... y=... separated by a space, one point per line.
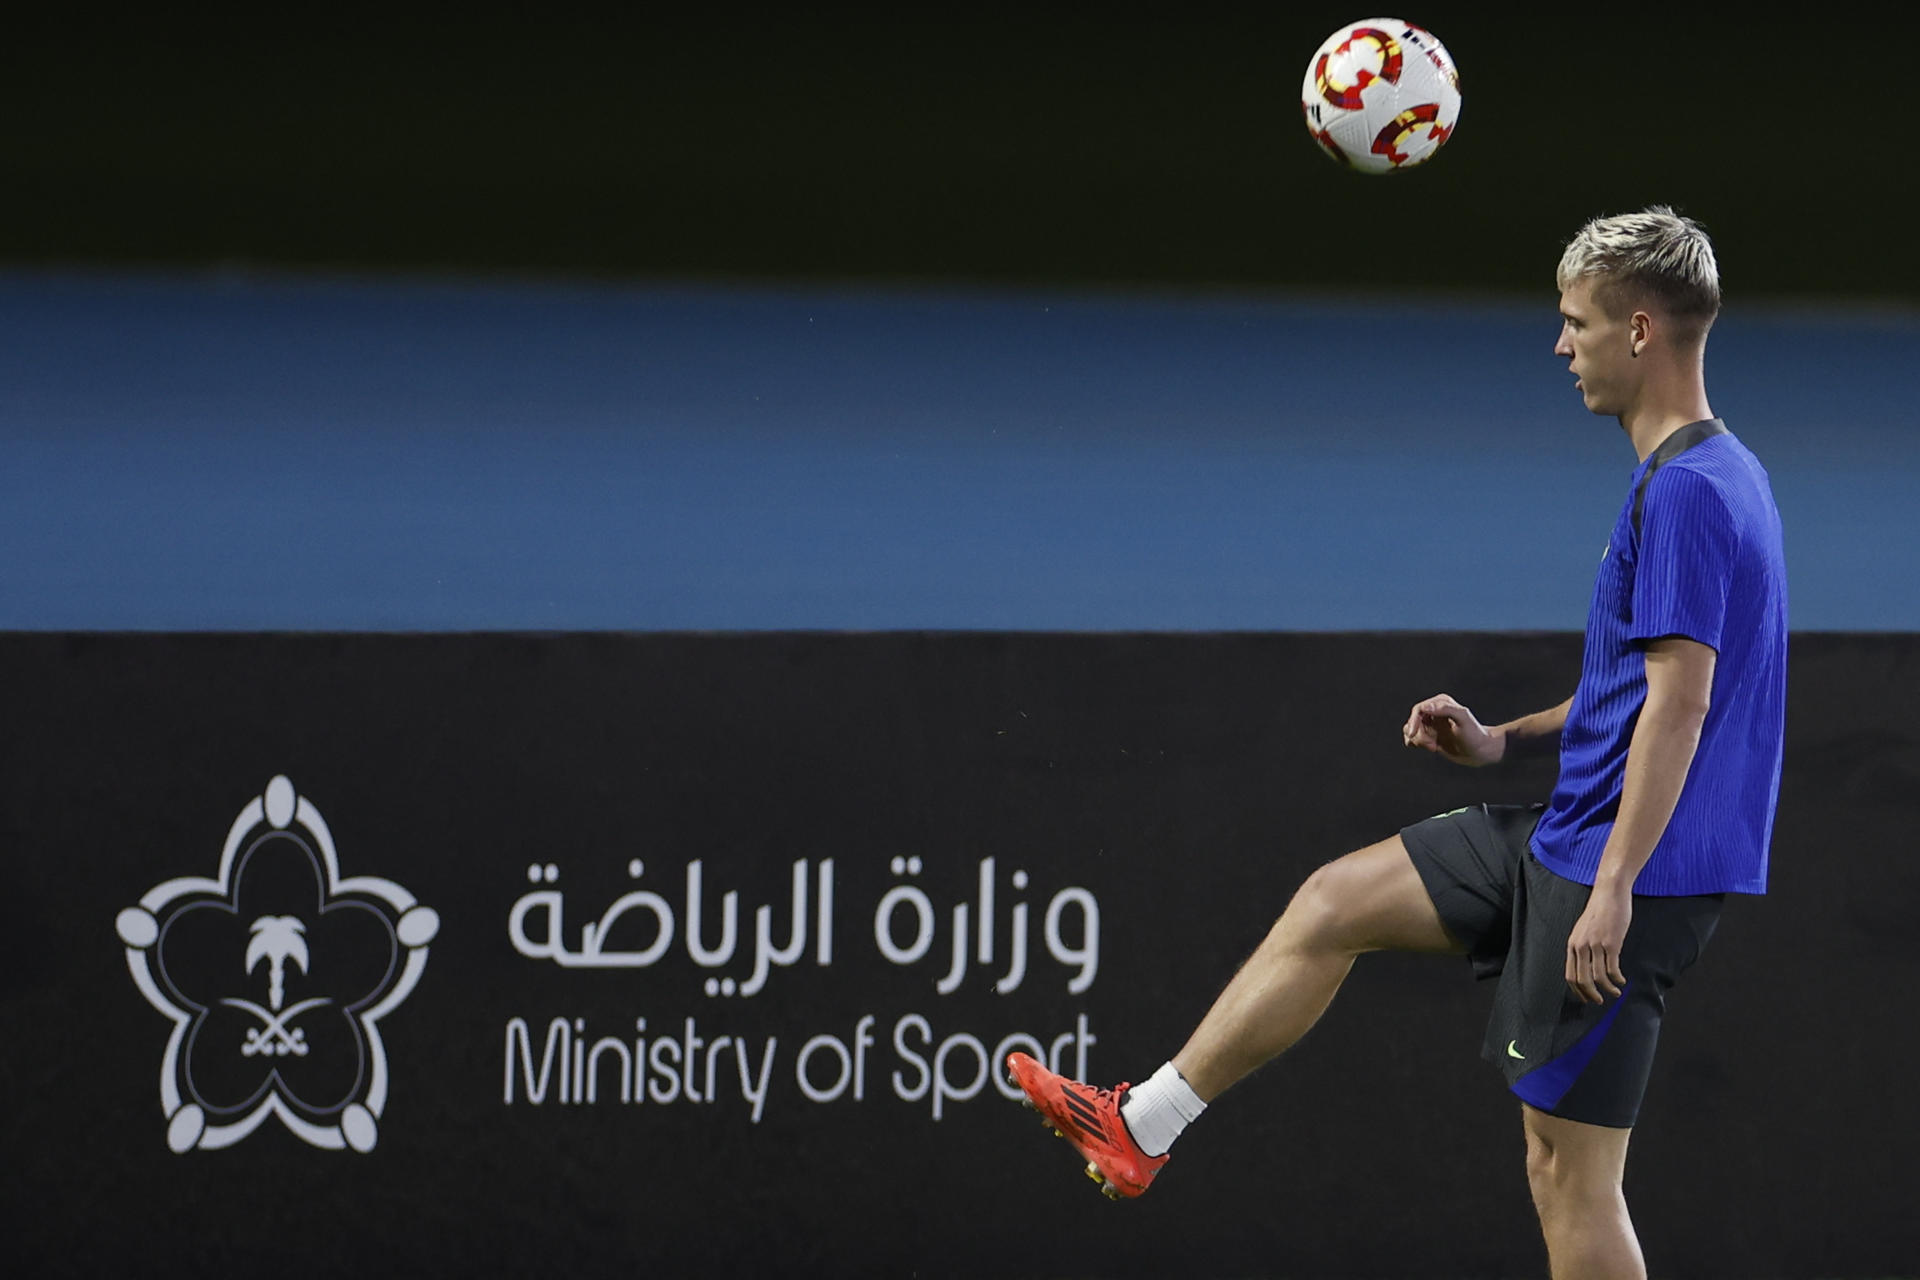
x=1158 y=1110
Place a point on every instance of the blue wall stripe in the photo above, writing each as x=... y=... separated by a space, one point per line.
x=243 y=453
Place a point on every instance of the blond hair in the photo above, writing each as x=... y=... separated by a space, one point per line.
x=1652 y=256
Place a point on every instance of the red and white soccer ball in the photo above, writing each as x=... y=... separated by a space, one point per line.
x=1381 y=95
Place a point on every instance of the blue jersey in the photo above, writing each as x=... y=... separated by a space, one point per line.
x=1695 y=553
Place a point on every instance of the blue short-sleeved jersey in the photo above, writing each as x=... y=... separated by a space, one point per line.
x=1696 y=552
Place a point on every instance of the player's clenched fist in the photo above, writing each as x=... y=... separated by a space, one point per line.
x=1446 y=728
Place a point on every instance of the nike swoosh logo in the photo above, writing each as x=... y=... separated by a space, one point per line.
x=1513 y=1052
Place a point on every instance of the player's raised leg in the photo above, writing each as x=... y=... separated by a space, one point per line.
x=1575 y=1171
x=1370 y=900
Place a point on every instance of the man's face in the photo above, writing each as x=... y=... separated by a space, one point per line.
x=1600 y=349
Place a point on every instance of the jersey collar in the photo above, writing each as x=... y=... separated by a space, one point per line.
x=1685 y=438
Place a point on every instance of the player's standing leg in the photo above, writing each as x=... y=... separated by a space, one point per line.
x=1575 y=1171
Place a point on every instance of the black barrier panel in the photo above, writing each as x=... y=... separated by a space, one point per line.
x=376 y=955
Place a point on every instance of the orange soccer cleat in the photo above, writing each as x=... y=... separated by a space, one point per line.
x=1090 y=1119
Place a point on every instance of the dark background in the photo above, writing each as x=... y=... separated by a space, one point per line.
x=1190 y=781
x=999 y=145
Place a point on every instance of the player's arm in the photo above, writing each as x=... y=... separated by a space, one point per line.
x=1446 y=728
x=1679 y=691
x=1542 y=728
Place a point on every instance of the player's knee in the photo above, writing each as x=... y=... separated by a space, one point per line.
x=1321 y=910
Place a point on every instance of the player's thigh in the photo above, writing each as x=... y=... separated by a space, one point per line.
x=1570 y=1153
x=1371 y=900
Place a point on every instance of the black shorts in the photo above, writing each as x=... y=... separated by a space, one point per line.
x=1566 y=1057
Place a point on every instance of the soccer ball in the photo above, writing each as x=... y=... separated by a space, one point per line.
x=1381 y=95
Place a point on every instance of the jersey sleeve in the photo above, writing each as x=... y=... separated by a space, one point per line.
x=1686 y=562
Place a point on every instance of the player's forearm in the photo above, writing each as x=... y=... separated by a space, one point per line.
x=1535 y=730
x=1658 y=758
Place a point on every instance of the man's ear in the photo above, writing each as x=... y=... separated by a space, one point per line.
x=1639 y=332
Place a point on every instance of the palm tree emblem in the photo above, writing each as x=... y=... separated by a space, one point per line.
x=221 y=931
x=277 y=939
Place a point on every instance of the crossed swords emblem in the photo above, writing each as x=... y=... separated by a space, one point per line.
x=276 y=939
x=273 y=1036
